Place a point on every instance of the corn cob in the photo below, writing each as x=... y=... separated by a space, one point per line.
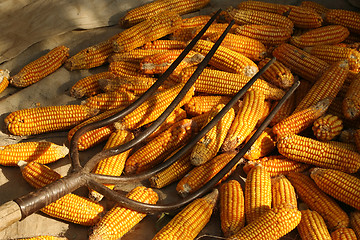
x=41 y=67
x=265 y=112
x=355 y=222
x=284 y=111
x=188 y=223
x=151 y=29
x=331 y=34
x=318 y=201
x=127 y=69
x=351 y=102
x=340 y=185
x=46 y=119
x=114 y=165
x=154 y=8
x=299 y=121
x=277 y=74
x=227 y=60
x=304 y=18
x=215 y=28
x=301 y=91
x=343 y=234
x=320 y=9
x=327 y=127
x=312 y=226
x=201 y=104
x=109 y=100
x=135 y=55
x=263 y=6
x=349 y=146
x=188 y=28
x=71 y=207
x=282 y=192
x=232 y=213
x=44 y=238
x=276 y=165
x=164 y=44
x=119 y=220
x=245 y=119
x=208 y=146
x=349 y=19
x=266 y=34
x=200 y=120
x=318 y=153
x=42 y=152
x=4 y=79
x=200 y=175
x=300 y=62
x=336 y=108
x=272 y=225
x=152 y=108
x=262 y=146
x=357 y=139
x=347 y=136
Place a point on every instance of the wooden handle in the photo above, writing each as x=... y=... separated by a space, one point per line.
x=9 y=213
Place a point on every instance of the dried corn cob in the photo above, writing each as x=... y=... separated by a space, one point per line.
x=318 y=201
x=71 y=207
x=348 y=146
x=127 y=69
x=188 y=28
x=41 y=67
x=119 y=220
x=304 y=17
x=327 y=127
x=232 y=213
x=312 y=226
x=44 y=238
x=4 y=79
x=351 y=102
x=245 y=119
x=135 y=55
x=200 y=175
x=46 y=119
x=201 y=104
x=200 y=120
x=42 y=152
x=342 y=186
x=282 y=192
x=263 y=6
x=216 y=28
x=355 y=222
x=191 y=220
x=299 y=121
x=318 y=153
x=109 y=100
x=343 y=234
x=286 y=109
x=277 y=74
x=349 y=19
x=265 y=113
x=146 y=11
x=272 y=225
x=320 y=9
x=262 y=146
x=301 y=91
x=357 y=139
x=208 y=146
x=151 y=29
x=347 y=136
x=164 y=44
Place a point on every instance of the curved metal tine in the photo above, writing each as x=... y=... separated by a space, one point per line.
x=187 y=147
x=74 y=153
x=148 y=208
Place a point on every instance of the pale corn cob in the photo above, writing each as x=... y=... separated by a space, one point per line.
x=349 y=19
x=300 y=62
x=304 y=18
x=263 y=6
x=318 y=153
x=355 y=222
x=151 y=29
x=318 y=201
x=152 y=108
x=112 y=166
x=312 y=226
x=4 y=79
x=201 y=104
x=328 y=85
x=109 y=100
x=232 y=213
x=227 y=60
x=285 y=111
x=208 y=146
x=331 y=34
x=327 y=127
x=224 y=83
x=146 y=11
x=320 y=9
x=44 y=238
x=351 y=102
x=272 y=225
x=267 y=34
x=245 y=119
x=134 y=85
x=276 y=165
x=119 y=220
x=135 y=55
x=299 y=121
x=343 y=234
x=188 y=223
x=127 y=69
x=71 y=207
x=47 y=119
x=357 y=139
x=200 y=175
x=340 y=185
x=264 y=145
x=277 y=74
x=282 y=191
x=164 y=44
x=42 y=152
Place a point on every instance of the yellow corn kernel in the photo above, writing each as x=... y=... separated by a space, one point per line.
x=202 y=104
x=263 y=6
x=349 y=19
x=164 y=44
x=135 y=55
x=343 y=234
x=126 y=69
x=320 y=9
x=304 y=18
x=277 y=74
x=351 y=102
x=282 y=192
x=188 y=28
x=4 y=79
x=312 y=226
x=109 y=100
x=355 y=222
x=327 y=127
x=264 y=145
x=285 y=111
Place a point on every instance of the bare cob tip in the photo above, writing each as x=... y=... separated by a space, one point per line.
x=250 y=71
x=22 y=164
x=105 y=84
x=315 y=171
x=213 y=196
x=323 y=104
x=63 y=151
x=16 y=80
x=4 y=74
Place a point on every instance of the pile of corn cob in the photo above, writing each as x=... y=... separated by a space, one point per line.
x=310 y=150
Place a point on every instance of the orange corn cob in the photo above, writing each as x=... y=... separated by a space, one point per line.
x=189 y=26
x=318 y=153
x=318 y=201
x=215 y=28
x=44 y=238
x=343 y=234
x=146 y=11
x=277 y=74
x=331 y=34
x=71 y=207
x=349 y=19
x=127 y=69
x=282 y=192
x=267 y=34
x=208 y=146
x=245 y=119
x=349 y=146
x=263 y=6
x=312 y=226
x=262 y=146
x=299 y=121
x=200 y=120
x=46 y=119
x=327 y=127
x=4 y=79
x=342 y=186
x=200 y=175
x=119 y=220
x=41 y=67
x=357 y=139
x=232 y=213
x=351 y=102
x=272 y=225
x=109 y=100
x=301 y=91
x=355 y=222
x=304 y=17
x=265 y=112
x=257 y=193
x=135 y=55
x=164 y=44
x=42 y=152
x=201 y=104
x=285 y=111
x=188 y=223
x=320 y=9
x=151 y=29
